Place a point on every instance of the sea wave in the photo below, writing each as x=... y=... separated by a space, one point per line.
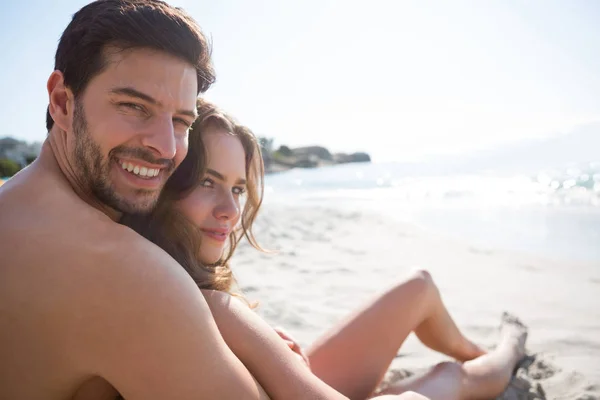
x=570 y=185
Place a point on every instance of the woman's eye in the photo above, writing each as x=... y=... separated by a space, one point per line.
x=239 y=190
x=206 y=182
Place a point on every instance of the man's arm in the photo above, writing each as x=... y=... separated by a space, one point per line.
x=146 y=328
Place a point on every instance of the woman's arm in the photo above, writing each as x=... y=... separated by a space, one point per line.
x=263 y=352
x=293 y=345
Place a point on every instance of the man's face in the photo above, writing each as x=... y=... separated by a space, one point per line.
x=130 y=127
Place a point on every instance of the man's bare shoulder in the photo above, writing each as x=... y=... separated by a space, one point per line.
x=137 y=265
x=130 y=277
x=55 y=246
x=117 y=266
x=41 y=220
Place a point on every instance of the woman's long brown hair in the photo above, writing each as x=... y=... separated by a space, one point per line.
x=171 y=230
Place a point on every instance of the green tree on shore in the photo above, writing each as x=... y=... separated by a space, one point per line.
x=8 y=168
x=266 y=144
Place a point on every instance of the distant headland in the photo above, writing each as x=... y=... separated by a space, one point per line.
x=285 y=158
x=17 y=154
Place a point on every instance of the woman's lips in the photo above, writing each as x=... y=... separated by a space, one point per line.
x=218 y=235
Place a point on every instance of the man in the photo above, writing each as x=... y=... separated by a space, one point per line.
x=88 y=307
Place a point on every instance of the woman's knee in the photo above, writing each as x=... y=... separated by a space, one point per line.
x=422 y=280
x=423 y=275
x=418 y=288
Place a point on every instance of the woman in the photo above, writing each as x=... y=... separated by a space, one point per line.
x=212 y=201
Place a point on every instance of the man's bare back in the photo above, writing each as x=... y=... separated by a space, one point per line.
x=88 y=307
x=65 y=298
x=49 y=241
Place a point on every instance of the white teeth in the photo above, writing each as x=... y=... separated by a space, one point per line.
x=141 y=171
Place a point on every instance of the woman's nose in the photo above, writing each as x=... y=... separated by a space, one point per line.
x=228 y=208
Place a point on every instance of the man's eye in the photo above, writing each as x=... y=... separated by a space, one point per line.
x=183 y=122
x=133 y=106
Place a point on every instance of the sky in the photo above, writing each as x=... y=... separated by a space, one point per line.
x=399 y=79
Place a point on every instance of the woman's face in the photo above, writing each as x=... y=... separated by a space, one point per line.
x=214 y=205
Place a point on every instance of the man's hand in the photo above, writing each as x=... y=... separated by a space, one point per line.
x=293 y=345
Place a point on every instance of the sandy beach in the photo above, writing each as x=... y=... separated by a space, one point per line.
x=328 y=261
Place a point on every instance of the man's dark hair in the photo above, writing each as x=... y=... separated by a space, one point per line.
x=127 y=24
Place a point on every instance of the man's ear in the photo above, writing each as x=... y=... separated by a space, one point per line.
x=61 y=101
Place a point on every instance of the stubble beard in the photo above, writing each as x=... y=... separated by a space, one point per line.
x=94 y=171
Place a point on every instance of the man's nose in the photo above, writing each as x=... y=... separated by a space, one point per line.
x=161 y=138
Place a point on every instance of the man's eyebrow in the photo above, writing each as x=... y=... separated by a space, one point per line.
x=222 y=177
x=131 y=92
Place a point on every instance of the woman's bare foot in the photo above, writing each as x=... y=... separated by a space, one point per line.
x=513 y=333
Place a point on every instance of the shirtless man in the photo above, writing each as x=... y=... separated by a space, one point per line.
x=89 y=309
x=86 y=305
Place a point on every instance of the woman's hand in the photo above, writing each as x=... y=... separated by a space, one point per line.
x=293 y=345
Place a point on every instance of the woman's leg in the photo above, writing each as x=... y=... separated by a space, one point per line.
x=354 y=356
x=485 y=377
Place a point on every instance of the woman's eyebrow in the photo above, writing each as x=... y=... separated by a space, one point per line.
x=223 y=177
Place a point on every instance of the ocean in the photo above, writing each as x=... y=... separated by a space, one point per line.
x=551 y=212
